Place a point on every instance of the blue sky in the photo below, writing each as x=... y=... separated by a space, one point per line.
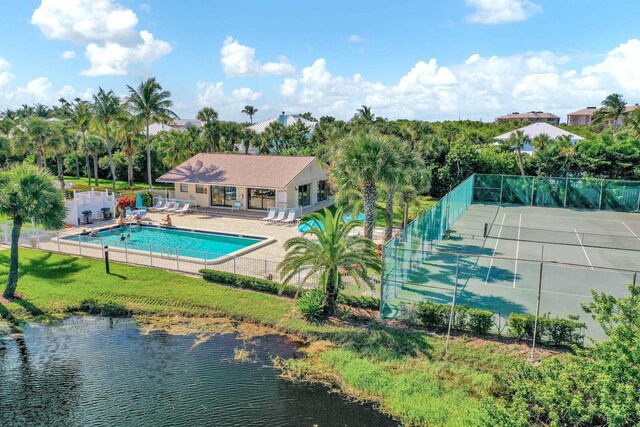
x=417 y=59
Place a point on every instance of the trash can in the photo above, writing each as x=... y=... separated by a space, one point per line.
x=87 y=216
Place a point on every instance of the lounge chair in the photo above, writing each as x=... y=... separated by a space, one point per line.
x=175 y=207
x=270 y=215
x=183 y=209
x=158 y=204
x=236 y=206
x=280 y=216
x=290 y=218
x=169 y=204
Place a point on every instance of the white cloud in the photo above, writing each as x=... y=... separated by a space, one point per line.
x=112 y=58
x=229 y=106
x=354 y=38
x=68 y=54
x=239 y=60
x=478 y=88
x=501 y=11
x=107 y=29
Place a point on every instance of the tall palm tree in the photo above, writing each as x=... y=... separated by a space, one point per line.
x=27 y=193
x=331 y=254
x=363 y=161
x=79 y=117
x=516 y=141
x=106 y=107
x=128 y=132
x=152 y=104
x=93 y=146
x=633 y=122
x=174 y=146
x=207 y=114
x=274 y=134
x=613 y=106
x=62 y=142
x=36 y=135
x=250 y=111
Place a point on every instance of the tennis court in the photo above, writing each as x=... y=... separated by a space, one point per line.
x=498 y=256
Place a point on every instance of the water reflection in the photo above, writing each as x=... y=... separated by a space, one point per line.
x=95 y=372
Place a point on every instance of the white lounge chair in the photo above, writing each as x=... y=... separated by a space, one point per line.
x=280 y=216
x=290 y=218
x=270 y=215
x=236 y=206
x=175 y=207
x=183 y=209
x=158 y=205
x=167 y=205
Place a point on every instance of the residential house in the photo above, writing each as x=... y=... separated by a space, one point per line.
x=259 y=182
x=536 y=129
x=531 y=117
x=583 y=117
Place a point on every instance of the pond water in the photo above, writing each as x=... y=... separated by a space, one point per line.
x=102 y=372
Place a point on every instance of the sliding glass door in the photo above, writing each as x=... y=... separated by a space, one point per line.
x=304 y=195
x=223 y=196
x=261 y=199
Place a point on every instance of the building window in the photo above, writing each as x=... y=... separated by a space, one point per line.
x=323 y=190
x=261 y=199
x=200 y=189
x=223 y=196
x=184 y=188
x=304 y=197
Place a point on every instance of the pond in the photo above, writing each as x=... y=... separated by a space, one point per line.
x=103 y=372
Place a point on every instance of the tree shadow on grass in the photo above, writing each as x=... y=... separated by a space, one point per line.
x=45 y=265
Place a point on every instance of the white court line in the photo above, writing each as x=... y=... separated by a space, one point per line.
x=515 y=271
x=637 y=237
x=583 y=249
x=495 y=248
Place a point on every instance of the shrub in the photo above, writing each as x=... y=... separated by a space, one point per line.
x=273 y=287
x=311 y=304
x=434 y=315
x=555 y=331
x=108 y=309
x=479 y=321
x=126 y=202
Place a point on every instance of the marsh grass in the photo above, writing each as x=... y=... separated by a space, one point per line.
x=404 y=371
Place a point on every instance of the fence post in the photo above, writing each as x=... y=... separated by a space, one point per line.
x=37 y=239
x=150 y=255
x=501 y=187
x=58 y=239
x=533 y=189
x=265 y=268
x=635 y=277
x=205 y=259
x=234 y=265
x=453 y=305
x=601 y=191
x=177 y=259
x=126 y=252
x=566 y=191
x=535 y=324
x=80 y=244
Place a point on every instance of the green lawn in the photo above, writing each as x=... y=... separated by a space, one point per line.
x=401 y=369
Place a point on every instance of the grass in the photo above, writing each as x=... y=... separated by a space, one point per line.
x=404 y=371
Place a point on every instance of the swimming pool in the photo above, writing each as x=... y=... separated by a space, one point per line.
x=166 y=240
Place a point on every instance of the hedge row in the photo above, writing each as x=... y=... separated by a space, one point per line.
x=554 y=331
x=436 y=316
x=273 y=287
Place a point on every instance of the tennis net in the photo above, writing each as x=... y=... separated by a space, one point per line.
x=561 y=237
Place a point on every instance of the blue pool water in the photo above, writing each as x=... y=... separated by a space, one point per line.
x=188 y=243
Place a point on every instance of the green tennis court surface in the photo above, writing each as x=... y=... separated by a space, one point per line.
x=500 y=255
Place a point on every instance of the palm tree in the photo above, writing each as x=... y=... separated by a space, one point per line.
x=612 y=109
x=516 y=141
x=363 y=161
x=37 y=135
x=60 y=147
x=274 y=134
x=93 y=146
x=106 y=107
x=249 y=110
x=79 y=117
x=248 y=137
x=331 y=254
x=128 y=131
x=207 y=114
x=27 y=193
x=365 y=114
x=174 y=147
x=633 y=122
x=152 y=104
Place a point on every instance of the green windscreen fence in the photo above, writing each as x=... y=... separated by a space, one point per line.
x=408 y=249
x=575 y=193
